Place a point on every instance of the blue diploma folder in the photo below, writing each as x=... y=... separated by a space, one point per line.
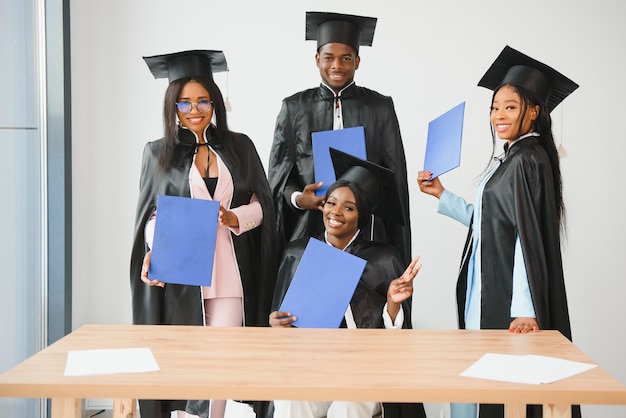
x=183 y=249
x=348 y=140
x=443 y=146
x=323 y=285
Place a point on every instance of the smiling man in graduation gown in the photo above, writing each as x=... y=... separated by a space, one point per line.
x=336 y=103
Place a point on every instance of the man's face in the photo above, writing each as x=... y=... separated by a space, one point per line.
x=337 y=63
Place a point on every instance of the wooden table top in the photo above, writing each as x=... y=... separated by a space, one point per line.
x=312 y=364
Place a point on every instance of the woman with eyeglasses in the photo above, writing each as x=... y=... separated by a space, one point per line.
x=199 y=157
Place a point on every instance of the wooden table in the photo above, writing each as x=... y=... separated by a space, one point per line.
x=307 y=364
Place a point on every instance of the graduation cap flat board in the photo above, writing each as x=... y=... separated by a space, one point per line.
x=326 y=27
x=443 y=145
x=183 y=249
x=195 y=63
x=319 y=297
x=514 y=67
x=348 y=140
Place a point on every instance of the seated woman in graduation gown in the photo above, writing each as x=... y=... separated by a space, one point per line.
x=382 y=298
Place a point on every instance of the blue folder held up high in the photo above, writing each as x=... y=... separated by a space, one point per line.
x=183 y=248
x=348 y=140
x=443 y=146
x=319 y=297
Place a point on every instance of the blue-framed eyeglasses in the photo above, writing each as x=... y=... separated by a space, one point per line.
x=203 y=106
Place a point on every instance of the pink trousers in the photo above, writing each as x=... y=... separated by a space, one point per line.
x=219 y=312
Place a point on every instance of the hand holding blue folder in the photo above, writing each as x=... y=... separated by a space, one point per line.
x=185 y=232
x=319 y=299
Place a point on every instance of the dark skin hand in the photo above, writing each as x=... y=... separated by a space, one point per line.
x=307 y=200
x=432 y=187
x=523 y=325
x=144 y=272
x=282 y=319
x=227 y=218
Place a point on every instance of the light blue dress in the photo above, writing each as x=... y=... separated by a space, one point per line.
x=457 y=208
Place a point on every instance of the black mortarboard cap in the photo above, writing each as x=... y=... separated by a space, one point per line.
x=513 y=67
x=377 y=183
x=196 y=63
x=336 y=27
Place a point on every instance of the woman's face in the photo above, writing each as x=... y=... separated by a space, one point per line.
x=506 y=113
x=196 y=120
x=341 y=216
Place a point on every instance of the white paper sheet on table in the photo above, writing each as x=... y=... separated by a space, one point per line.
x=529 y=368
x=110 y=361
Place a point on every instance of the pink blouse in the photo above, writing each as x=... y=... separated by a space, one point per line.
x=226 y=281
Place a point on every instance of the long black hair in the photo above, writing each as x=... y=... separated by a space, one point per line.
x=362 y=204
x=543 y=126
x=220 y=132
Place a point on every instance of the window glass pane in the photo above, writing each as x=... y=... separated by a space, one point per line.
x=20 y=257
x=21 y=272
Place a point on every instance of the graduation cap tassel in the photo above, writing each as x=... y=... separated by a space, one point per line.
x=561 y=148
x=227 y=101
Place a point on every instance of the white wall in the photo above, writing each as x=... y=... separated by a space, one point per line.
x=428 y=56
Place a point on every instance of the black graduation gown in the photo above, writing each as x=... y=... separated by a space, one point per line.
x=255 y=250
x=519 y=199
x=291 y=157
x=383 y=265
